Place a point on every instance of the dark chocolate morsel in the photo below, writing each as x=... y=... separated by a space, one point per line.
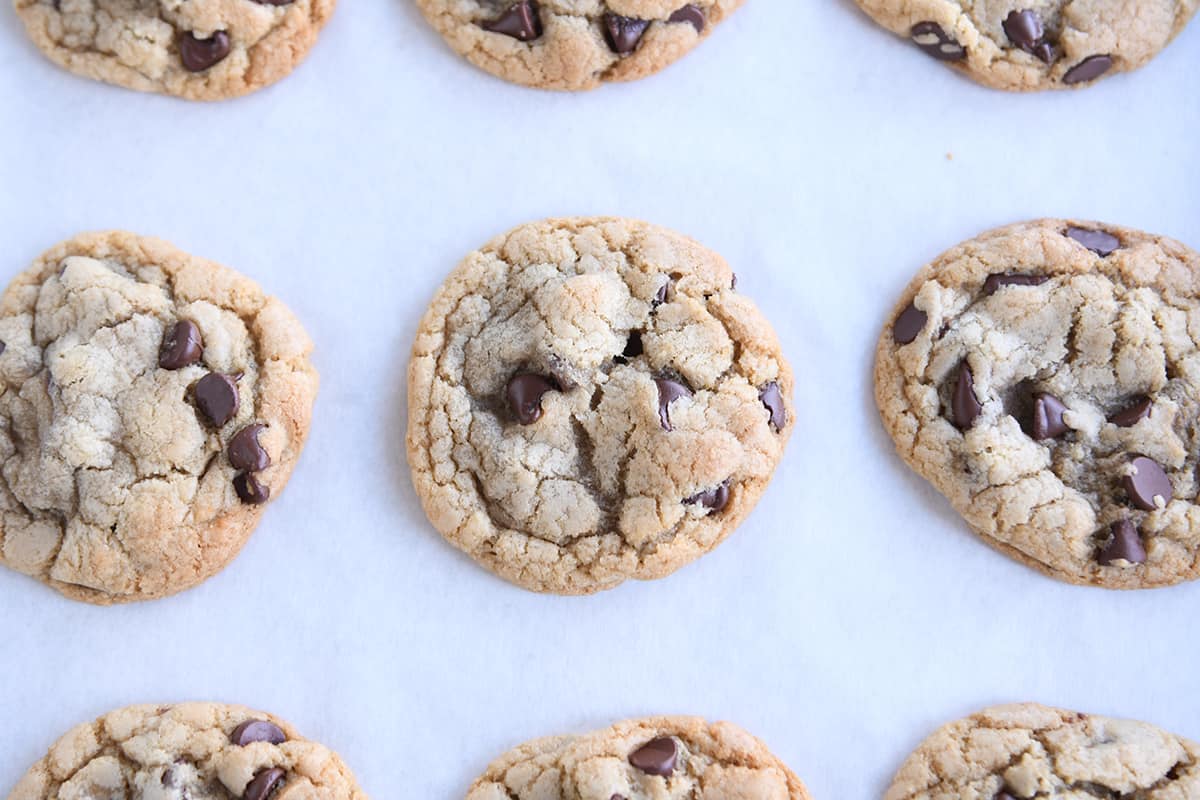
x=257 y=730
x=1048 y=417
x=525 y=391
x=1125 y=545
x=772 y=398
x=265 y=782
x=1024 y=29
x=690 y=14
x=250 y=490
x=198 y=55
x=668 y=391
x=1102 y=243
x=994 y=282
x=714 y=499
x=181 y=346
x=1147 y=482
x=1089 y=69
x=633 y=345
x=1133 y=413
x=964 y=405
x=520 y=21
x=660 y=296
x=910 y=322
x=624 y=33
x=245 y=453
x=217 y=398
x=656 y=757
x=933 y=41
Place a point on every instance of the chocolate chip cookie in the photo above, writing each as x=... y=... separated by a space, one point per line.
x=189 y=751
x=1045 y=377
x=1024 y=45
x=660 y=757
x=151 y=403
x=574 y=44
x=1025 y=751
x=196 y=49
x=592 y=400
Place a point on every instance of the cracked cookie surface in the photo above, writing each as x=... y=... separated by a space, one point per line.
x=187 y=751
x=1045 y=378
x=1024 y=45
x=1026 y=750
x=195 y=49
x=590 y=401
x=659 y=758
x=150 y=403
x=574 y=44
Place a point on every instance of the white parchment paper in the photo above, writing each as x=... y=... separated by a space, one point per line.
x=827 y=161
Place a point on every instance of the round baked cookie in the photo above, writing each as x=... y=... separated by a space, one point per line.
x=1025 y=45
x=1026 y=750
x=196 y=49
x=574 y=44
x=150 y=403
x=591 y=400
x=188 y=751
x=659 y=758
x=1045 y=378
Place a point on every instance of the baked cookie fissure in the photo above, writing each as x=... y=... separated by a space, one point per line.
x=1025 y=751
x=1023 y=45
x=150 y=403
x=1045 y=377
x=574 y=44
x=590 y=400
x=187 y=751
x=659 y=758
x=196 y=49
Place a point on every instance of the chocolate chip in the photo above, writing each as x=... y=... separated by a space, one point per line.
x=250 y=490
x=1024 y=29
x=217 y=398
x=930 y=37
x=624 y=33
x=1044 y=52
x=1148 y=482
x=1004 y=796
x=1102 y=243
x=245 y=453
x=617 y=797
x=3 y=347
x=910 y=322
x=181 y=346
x=1048 y=417
x=772 y=398
x=200 y=54
x=669 y=390
x=964 y=404
x=1125 y=545
x=713 y=499
x=169 y=778
x=733 y=282
x=525 y=390
x=1089 y=69
x=660 y=296
x=263 y=784
x=656 y=757
x=994 y=282
x=633 y=345
x=1129 y=416
x=520 y=21
x=257 y=730
x=690 y=14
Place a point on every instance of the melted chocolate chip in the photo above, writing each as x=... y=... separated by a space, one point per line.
x=245 y=453
x=1089 y=69
x=198 y=55
x=1147 y=482
x=714 y=499
x=910 y=323
x=964 y=405
x=690 y=14
x=624 y=33
x=1125 y=545
x=1102 y=243
x=257 y=730
x=181 y=346
x=772 y=398
x=250 y=490
x=525 y=390
x=668 y=391
x=633 y=345
x=1024 y=29
x=660 y=296
x=1048 y=417
x=656 y=757
x=520 y=21
x=265 y=782
x=933 y=41
x=217 y=398
x=994 y=282
x=1133 y=413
